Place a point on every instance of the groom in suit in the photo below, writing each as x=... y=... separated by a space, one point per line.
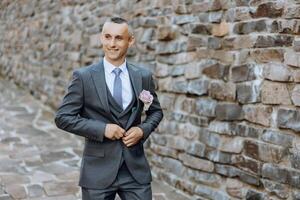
x=104 y=104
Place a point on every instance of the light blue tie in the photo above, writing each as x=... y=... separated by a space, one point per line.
x=118 y=86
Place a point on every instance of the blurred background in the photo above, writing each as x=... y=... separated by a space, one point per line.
x=227 y=74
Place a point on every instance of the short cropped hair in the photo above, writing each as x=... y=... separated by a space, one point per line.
x=120 y=20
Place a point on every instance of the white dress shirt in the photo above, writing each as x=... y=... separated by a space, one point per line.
x=124 y=75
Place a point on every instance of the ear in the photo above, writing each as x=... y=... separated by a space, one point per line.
x=131 y=40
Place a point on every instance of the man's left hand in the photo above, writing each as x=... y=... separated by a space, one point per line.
x=132 y=136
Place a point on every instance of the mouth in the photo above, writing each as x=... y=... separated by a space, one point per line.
x=113 y=50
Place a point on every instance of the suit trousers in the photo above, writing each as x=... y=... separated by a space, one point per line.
x=124 y=185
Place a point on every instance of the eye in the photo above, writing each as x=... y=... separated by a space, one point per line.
x=107 y=36
x=119 y=38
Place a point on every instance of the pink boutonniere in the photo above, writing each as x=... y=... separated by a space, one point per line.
x=146 y=97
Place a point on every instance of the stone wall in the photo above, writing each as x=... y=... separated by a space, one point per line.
x=228 y=74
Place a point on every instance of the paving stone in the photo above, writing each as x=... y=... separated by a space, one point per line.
x=60 y=188
x=16 y=191
x=35 y=191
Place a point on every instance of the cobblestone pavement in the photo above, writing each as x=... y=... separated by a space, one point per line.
x=37 y=160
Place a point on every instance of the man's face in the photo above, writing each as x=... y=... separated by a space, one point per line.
x=115 y=39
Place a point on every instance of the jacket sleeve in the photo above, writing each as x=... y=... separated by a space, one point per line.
x=153 y=115
x=68 y=114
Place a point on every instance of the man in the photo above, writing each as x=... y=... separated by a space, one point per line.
x=104 y=104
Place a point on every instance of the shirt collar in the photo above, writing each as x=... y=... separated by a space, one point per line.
x=110 y=67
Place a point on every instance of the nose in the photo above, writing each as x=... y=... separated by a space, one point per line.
x=112 y=42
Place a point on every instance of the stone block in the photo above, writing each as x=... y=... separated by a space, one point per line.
x=296 y=76
x=220 y=30
x=296 y=95
x=258 y=114
x=170 y=47
x=166 y=32
x=275 y=173
x=205 y=107
x=249 y=92
x=280 y=190
x=192 y=70
x=232 y=145
x=247 y=164
x=202 y=29
x=222 y=91
x=74 y=56
x=265 y=41
x=210 y=193
x=176 y=142
x=277 y=72
x=292 y=12
x=198 y=87
x=184 y=19
x=278 y=138
x=229 y=111
x=295 y=158
x=198 y=121
x=250 y=27
x=231 y=171
x=161 y=70
x=178 y=59
x=180 y=85
x=287 y=118
x=218 y=156
x=165 y=84
x=94 y=39
x=291 y=58
x=235 y=188
x=267 y=55
x=286 y=26
x=217 y=71
x=196 y=41
x=268 y=9
x=238 y=14
x=222 y=128
x=214 y=43
x=215 y=17
x=205 y=178
x=174 y=166
x=196 y=163
x=264 y=152
x=252 y=194
x=246 y=72
x=275 y=93
x=209 y=138
x=196 y=148
x=296 y=44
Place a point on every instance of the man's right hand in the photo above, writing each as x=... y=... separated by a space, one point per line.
x=114 y=132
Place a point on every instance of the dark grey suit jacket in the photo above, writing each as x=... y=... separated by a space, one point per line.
x=85 y=111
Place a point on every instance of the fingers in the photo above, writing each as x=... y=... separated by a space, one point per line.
x=130 y=142
x=114 y=131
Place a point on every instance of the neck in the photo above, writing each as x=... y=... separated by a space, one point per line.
x=116 y=63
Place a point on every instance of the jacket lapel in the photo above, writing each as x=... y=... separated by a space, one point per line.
x=98 y=77
x=136 y=82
